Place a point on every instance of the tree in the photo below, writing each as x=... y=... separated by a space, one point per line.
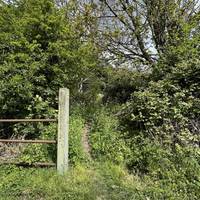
x=140 y=31
x=167 y=111
x=42 y=48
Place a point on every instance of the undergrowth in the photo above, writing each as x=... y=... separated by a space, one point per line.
x=154 y=173
x=99 y=181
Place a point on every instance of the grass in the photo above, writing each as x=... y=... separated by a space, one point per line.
x=105 y=181
x=99 y=181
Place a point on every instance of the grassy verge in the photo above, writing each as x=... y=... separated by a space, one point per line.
x=100 y=181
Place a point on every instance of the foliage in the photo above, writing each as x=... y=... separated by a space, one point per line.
x=100 y=181
x=161 y=120
x=147 y=121
x=138 y=33
x=106 y=139
x=43 y=153
x=163 y=112
x=76 y=153
x=167 y=110
x=41 y=51
x=121 y=83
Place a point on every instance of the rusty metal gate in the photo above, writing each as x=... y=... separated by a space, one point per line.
x=62 y=137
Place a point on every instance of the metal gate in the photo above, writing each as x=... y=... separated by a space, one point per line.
x=62 y=136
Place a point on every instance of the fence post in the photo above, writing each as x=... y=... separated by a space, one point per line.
x=63 y=130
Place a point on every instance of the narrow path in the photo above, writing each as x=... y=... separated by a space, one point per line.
x=85 y=141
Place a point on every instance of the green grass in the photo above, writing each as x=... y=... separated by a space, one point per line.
x=104 y=181
x=99 y=181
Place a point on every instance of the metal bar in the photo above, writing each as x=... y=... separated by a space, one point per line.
x=29 y=141
x=28 y=120
x=37 y=164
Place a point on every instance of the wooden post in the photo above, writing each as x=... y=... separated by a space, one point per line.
x=63 y=130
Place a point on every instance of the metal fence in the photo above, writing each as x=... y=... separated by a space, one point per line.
x=62 y=136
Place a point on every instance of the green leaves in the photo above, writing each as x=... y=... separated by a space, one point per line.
x=162 y=118
x=40 y=52
x=106 y=140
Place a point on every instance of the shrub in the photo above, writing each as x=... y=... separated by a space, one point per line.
x=37 y=152
x=106 y=139
x=121 y=83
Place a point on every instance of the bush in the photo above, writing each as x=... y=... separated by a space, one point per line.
x=121 y=83
x=106 y=139
x=76 y=153
x=40 y=153
x=163 y=112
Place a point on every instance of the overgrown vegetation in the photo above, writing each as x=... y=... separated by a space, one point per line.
x=98 y=181
x=134 y=91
